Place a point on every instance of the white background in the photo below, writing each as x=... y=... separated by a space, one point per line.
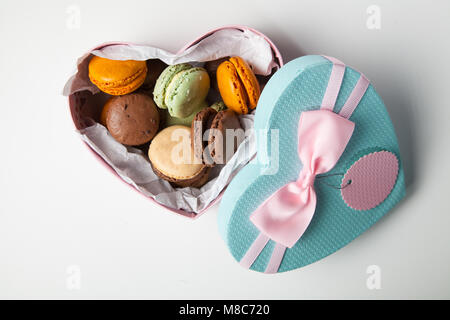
x=61 y=211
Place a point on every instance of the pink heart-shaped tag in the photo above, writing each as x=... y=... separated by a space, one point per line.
x=370 y=180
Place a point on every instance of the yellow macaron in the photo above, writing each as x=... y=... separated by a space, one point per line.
x=238 y=85
x=117 y=77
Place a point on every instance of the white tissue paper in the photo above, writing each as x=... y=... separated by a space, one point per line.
x=132 y=164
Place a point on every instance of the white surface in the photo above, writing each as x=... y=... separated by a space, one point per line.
x=60 y=208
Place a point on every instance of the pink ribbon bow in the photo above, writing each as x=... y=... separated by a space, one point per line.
x=322 y=138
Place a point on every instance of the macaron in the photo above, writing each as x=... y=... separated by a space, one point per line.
x=199 y=127
x=117 y=77
x=209 y=133
x=172 y=159
x=132 y=119
x=238 y=85
x=104 y=112
x=218 y=106
x=211 y=68
x=224 y=126
x=154 y=69
x=181 y=88
x=171 y=121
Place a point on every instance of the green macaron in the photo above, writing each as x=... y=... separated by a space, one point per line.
x=181 y=89
x=159 y=92
x=171 y=121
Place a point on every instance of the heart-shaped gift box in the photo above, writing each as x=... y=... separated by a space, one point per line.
x=331 y=172
x=85 y=101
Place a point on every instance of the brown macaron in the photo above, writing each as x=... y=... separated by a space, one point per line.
x=155 y=67
x=213 y=125
x=132 y=119
x=211 y=68
x=224 y=122
x=200 y=124
x=196 y=181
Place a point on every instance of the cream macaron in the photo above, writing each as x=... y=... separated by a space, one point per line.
x=173 y=159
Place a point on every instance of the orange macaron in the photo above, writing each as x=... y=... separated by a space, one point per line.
x=117 y=77
x=238 y=85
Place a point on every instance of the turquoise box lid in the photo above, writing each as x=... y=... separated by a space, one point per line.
x=297 y=87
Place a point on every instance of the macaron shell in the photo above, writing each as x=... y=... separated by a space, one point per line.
x=200 y=124
x=187 y=89
x=132 y=119
x=174 y=163
x=195 y=182
x=171 y=121
x=163 y=81
x=231 y=88
x=109 y=74
x=154 y=69
x=248 y=79
x=198 y=181
x=125 y=89
x=223 y=121
x=211 y=68
x=104 y=112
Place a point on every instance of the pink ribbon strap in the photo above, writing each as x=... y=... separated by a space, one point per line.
x=334 y=84
x=275 y=259
x=355 y=97
x=254 y=251
x=322 y=138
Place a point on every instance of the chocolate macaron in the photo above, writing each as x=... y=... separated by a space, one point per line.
x=210 y=131
x=211 y=68
x=225 y=126
x=132 y=119
x=155 y=67
x=199 y=127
